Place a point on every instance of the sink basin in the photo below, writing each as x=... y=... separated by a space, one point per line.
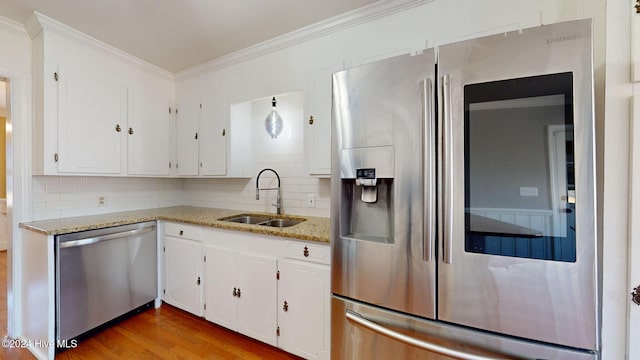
x=263 y=220
x=247 y=219
x=281 y=222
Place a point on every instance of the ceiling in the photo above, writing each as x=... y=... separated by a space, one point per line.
x=178 y=34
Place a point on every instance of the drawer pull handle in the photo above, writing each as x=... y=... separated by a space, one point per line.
x=306 y=252
x=181 y=232
x=235 y=292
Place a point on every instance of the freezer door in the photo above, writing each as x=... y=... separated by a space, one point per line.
x=383 y=184
x=362 y=331
x=519 y=253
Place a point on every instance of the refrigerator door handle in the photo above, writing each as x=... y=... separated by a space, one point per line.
x=429 y=164
x=446 y=176
x=360 y=320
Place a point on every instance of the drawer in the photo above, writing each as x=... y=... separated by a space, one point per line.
x=183 y=231
x=309 y=251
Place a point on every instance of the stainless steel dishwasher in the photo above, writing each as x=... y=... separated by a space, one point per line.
x=103 y=274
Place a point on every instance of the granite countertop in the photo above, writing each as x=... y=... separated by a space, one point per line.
x=313 y=229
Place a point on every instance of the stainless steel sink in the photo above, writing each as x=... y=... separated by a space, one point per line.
x=247 y=219
x=263 y=220
x=281 y=222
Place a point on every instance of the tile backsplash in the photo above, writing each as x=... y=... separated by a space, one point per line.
x=65 y=196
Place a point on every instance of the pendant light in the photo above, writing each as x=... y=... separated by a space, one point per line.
x=273 y=122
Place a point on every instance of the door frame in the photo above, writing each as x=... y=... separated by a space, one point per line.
x=19 y=170
x=633 y=319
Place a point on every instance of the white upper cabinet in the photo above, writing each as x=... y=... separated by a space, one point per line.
x=187 y=118
x=149 y=135
x=213 y=133
x=91 y=119
x=317 y=126
x=87 y=97
x=210 y=140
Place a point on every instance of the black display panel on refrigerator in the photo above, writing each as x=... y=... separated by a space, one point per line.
x=519 y=177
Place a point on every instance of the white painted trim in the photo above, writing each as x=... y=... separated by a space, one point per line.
x=12 y=26
x=635 y=47
x=512 y=211
x=355 y=17
x=39 y=21
x=633 y=324
x=18 y=188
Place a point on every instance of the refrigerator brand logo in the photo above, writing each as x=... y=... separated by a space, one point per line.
x=563 y=38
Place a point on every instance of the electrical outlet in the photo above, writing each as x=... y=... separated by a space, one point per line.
x=102 y=201
x=311 y=200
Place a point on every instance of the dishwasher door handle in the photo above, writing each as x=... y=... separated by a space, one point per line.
x=97 y=239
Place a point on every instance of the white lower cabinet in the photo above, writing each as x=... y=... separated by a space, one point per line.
x=269 y=288
x=182 y=274
x=304 y=309
x=241 y=292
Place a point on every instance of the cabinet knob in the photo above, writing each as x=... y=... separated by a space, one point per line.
x=306 y=252
x=181 y=232
x=311 y=120
x=635 y=295
x=198 y=282
x=235 y=292
x=224 y=132
x=637 y=6
x=130 y=131
x=239 y=293
x=118 y=128
x=285 y=306
x=196 y=136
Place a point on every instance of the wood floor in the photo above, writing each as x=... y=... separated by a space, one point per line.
x=165 y=333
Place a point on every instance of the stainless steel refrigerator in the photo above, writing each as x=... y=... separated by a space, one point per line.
x=463 y=201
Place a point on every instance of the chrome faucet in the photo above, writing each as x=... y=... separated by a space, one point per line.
x=278 y=204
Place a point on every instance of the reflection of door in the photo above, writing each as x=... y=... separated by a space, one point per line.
x=558 y=179
x=634 y=231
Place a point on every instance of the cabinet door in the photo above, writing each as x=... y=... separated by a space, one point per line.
x=304 y=309
x=257 y=316
x=91 y=122
x=317 y=131
x=148 y=133
x=187 y=119
x=221 y=286
x=213 y=134
x=183 y=262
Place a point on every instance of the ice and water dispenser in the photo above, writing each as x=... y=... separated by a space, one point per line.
x=367 y=193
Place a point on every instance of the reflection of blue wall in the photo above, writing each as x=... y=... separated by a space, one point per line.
x=545 y=247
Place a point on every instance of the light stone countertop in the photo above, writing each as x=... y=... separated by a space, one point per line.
x=313 y=229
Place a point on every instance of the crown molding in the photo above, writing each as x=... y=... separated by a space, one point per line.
x=38 y=22
x=12 y=26
x=355 y=17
